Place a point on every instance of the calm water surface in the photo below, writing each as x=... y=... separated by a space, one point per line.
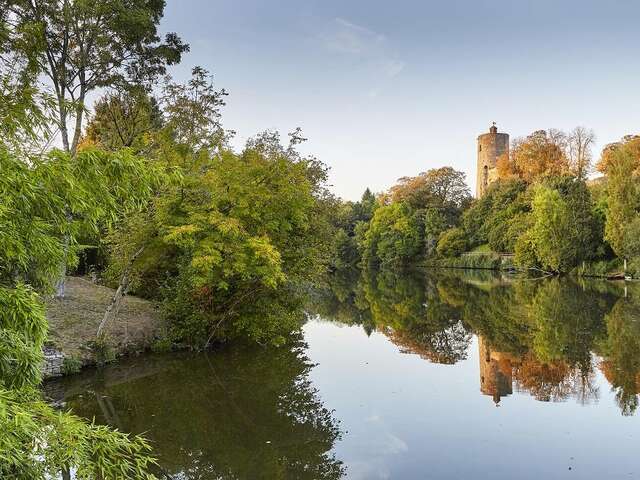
x=400 y=376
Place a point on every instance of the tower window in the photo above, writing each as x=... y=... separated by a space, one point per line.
x=479 y=148
x=485 y=179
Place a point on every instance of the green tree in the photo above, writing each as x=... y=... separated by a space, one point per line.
x=432 y=201
x=564 y=230
x=123 y=120
x=37 y=442
x=442 y=188
x=587 y=227
x=452 y=243
x=623 y=200
x=394 y=235
x=243 y=226
x=80 y=46
x=84 y=45
x=192 y=115
x=435 y=224
x=491 y=218
x=364 y=209
x=351 y=217
x=551 y=230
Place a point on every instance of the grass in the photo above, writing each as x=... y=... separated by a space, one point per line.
x=484 y=248
x=478 y=260
x=74 y=320
x=608 y=269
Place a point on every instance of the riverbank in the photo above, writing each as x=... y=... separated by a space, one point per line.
x=74 y=320
x=475 y=261
x=607 y=270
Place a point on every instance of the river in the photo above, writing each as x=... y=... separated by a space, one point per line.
x=399 y=376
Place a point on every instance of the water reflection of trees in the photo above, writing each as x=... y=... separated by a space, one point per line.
x=546 y=338
x=238 y=414
x=621 y=352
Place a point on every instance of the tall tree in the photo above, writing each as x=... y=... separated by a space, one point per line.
x=82 y=45
x=192 y=112
x=579 y=144
x=624 y=199
x=438 y=187
x=541 y=153
x=123 y=119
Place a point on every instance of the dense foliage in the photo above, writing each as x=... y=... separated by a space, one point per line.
x=230 y=243
x=541 y=213
x=36 y=442
x=403 y=226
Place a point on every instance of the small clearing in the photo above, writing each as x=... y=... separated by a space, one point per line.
x=74 y=320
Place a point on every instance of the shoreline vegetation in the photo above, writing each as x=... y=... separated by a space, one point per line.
x=139 y=328
x=606 y=270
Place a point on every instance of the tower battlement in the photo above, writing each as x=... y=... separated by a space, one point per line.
x=491 y=147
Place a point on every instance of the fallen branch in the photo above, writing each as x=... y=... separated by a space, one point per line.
x=114 y=306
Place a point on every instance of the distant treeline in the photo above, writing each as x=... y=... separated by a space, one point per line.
x=542 y=209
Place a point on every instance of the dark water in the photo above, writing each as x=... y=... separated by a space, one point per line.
x=400 y=376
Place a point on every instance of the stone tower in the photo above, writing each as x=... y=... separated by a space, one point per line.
x=491 y=146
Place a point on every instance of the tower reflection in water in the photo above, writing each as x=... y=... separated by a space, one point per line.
x=496 y=377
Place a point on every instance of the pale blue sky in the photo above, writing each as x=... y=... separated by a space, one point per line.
x=389 y=89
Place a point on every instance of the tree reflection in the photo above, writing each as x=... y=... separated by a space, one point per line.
x=621 y=350
x=554 y=381
x=413 y=314
x=542 y=337
x=246 y=413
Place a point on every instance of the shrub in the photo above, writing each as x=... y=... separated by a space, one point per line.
x=162 y=344
x=104 y=352
x=526 y=256
x=452 y=243
x=71 y=365
x=488 y=261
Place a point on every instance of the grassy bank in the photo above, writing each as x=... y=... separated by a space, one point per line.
x=612 y=269
x=478 y=261
x=607 y=269
x=74 y=320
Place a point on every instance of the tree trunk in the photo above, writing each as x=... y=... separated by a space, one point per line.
x=116 y=301
x=62 y=273
x=71 y=149
x=64 y=132
x=62 y=118
x=61 y=282
x=77 y=132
